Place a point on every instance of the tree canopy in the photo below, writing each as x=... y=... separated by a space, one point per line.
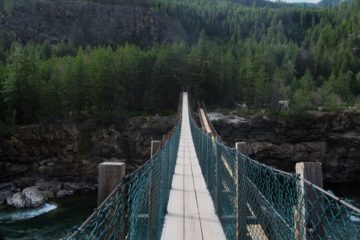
x=232 y=54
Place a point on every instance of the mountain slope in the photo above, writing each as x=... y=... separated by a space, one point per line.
x=87 y=22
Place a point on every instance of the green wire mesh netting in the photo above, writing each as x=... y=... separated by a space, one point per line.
x=136 y=209
x=255 y=201
x=252 y=200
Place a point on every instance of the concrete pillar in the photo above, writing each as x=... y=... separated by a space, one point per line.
x=110 y=174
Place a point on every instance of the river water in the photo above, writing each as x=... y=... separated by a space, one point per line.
x=55 y=220
x=350 y=192
x=52 y=221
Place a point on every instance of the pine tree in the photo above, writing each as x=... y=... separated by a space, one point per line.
x=20 y=86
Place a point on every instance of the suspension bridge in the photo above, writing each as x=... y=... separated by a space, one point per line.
x=195 y=187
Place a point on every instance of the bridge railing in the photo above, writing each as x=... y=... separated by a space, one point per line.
x=136 y=208
x=255 y=201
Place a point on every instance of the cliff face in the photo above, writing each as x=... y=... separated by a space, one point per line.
x=88 y=23
x=331 y=138
x=59 y=159
x=68 y=153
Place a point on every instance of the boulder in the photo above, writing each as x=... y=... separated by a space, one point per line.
x=23 y=182
x=42 y=185
x=7 y=186
x=61 y=193
x=30 y=197
x=44 y=193
x=69 y=193
x=55 y=186
x=71 y=186
x=33 y=197
x=16 y=200
x=50 y=194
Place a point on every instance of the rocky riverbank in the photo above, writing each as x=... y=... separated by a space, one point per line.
x=331 y=138
x=41 y=192
x=42 y=162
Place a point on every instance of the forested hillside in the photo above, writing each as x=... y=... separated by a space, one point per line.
x=106 y=60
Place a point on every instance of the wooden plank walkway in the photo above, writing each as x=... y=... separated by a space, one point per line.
x=191 y=212
x=205 y=121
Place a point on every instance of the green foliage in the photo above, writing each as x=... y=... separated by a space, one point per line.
x=20 y=86
x=8 y=6
x=168 y=76
x=232 y=54
x=301 y=100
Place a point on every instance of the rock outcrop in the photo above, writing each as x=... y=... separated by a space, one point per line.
x=30 y=198
x=138 y=134
x=331 y=138
x=16 y=200
x=57 y=152
x=60 y=159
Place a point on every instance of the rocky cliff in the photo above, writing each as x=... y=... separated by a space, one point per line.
x=62 y=158
x=59 y=159
x=331 y=138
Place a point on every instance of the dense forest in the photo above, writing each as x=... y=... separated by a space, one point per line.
x=229 y=53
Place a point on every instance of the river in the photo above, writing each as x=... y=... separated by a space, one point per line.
x=55 y=220
x=350 y=192
x=52 y=221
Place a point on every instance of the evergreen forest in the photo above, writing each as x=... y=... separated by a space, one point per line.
x=255 y=52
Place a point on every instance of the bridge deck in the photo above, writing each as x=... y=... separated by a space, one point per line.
x=191 y=212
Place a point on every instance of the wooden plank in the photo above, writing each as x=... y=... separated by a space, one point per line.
x=155 y=147
x=213 y=131
x=204 y=121
x=174 y=221
x=191 y=212
x=202 y=124
x=192 y=218
x=254 y=230
x=211 y=226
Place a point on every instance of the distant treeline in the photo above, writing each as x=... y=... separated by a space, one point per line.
x=233 y=54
